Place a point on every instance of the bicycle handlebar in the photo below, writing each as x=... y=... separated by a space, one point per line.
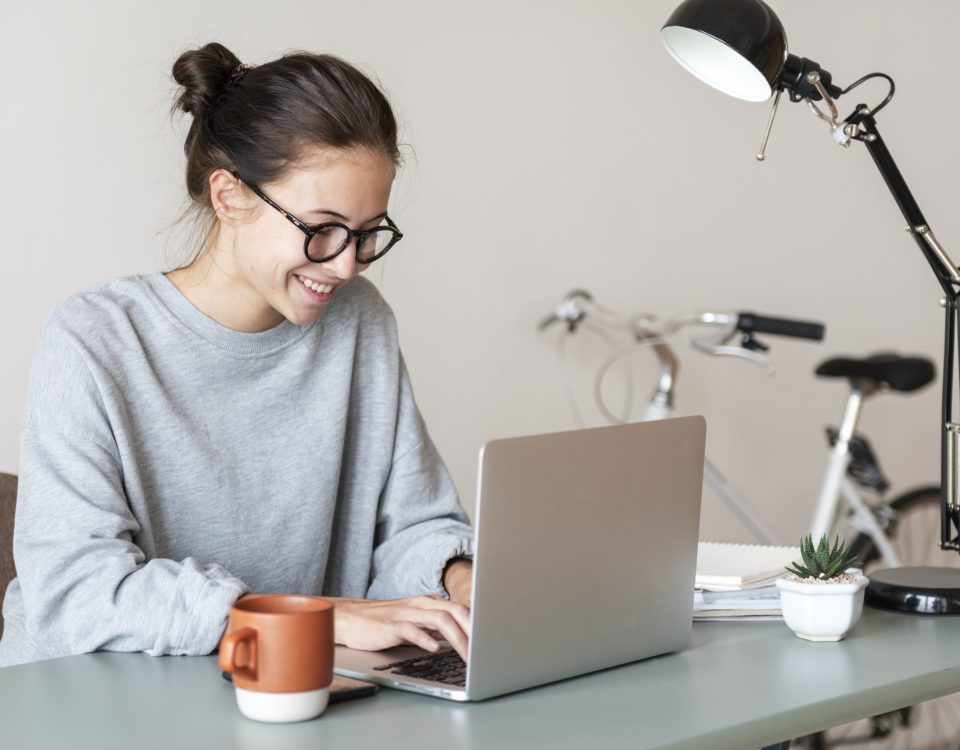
x=659 y=335
x=750 y=323
x=578 y=305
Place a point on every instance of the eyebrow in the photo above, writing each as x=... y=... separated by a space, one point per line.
x=340 y=216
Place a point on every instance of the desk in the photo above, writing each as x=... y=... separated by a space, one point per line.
x=738 y=685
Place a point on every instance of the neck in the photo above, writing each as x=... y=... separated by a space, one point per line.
x=214 y=285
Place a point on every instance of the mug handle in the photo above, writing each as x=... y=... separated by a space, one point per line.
x=228 y=653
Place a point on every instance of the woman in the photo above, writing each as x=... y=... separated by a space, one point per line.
x=244 y=423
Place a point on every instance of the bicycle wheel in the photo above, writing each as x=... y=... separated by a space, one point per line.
x=914 y=530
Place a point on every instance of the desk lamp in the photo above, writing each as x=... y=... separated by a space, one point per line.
x=740 y=48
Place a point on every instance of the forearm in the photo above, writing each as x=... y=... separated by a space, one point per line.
x=85 y=584
x=421 y=525
x=163 y=607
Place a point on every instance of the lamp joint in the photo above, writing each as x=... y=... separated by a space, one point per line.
x=952 y=432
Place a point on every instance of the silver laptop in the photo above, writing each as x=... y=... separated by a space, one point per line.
x=586 y=547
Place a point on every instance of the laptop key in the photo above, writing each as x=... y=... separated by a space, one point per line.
x=445 y=666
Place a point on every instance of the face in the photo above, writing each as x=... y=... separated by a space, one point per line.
x=271 y=277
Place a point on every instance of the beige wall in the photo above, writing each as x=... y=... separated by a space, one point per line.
x=555 y=145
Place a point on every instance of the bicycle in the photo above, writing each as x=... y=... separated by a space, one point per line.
x=853 y=502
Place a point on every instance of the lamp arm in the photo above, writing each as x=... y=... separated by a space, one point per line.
x=948 y=276
x=943 y=267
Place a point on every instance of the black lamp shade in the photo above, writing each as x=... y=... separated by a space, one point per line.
x=736 y=46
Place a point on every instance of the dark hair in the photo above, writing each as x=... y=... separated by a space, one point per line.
x=259 y=120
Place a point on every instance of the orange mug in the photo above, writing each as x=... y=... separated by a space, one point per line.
x=279 y=649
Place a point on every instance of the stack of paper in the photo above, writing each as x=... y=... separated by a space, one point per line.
x=760 y=603
x=736 y=581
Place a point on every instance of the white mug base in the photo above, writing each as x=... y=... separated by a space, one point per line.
x=282 y=707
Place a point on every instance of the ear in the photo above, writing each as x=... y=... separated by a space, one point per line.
x=227 y=197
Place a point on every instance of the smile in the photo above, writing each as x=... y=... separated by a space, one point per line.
x=315 y=286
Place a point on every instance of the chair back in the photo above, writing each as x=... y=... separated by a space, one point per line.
x=8 y=503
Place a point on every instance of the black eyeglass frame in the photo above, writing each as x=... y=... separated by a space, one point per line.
x=310 y=230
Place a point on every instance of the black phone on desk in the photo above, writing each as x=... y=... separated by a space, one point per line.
x=347 y=688
x=341 y=689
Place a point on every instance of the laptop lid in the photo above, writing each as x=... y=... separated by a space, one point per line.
x=586 y=547
x=585 y=558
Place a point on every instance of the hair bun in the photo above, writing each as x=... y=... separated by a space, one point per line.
x=204 y=74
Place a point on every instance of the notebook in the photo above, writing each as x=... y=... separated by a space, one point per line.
x=729 y=566
x=585 y=554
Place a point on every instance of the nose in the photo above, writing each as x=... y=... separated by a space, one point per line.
x=344 y=266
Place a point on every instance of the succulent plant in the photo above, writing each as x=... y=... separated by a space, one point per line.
x=822 y=562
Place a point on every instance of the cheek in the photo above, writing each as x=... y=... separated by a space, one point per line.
x=271 y=258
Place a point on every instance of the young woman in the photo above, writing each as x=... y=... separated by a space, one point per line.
x=244 y=423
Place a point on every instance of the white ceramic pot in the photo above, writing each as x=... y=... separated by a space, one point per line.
x=822 y=611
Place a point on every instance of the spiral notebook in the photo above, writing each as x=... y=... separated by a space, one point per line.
x=730 y=566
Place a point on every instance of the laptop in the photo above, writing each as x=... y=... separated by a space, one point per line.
x=585 y=556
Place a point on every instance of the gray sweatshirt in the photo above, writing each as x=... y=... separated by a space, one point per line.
x=169 y=464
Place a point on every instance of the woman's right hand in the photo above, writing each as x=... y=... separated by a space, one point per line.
x=372 y=625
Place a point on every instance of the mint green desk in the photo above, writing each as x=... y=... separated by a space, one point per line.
x=737 y=686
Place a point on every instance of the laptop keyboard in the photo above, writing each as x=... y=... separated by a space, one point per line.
x=444 y=666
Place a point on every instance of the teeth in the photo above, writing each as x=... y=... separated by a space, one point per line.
x=321 y=288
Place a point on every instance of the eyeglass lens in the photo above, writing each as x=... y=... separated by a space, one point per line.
x=329 y=241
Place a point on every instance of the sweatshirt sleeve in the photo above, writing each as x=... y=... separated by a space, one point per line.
x=85 y=583
x=421 y=525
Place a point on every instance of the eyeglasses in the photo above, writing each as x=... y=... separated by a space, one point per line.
x=324 y=242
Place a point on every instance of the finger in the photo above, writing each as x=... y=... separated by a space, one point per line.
x=417 y=636
x=459 y=611
x=445 y=624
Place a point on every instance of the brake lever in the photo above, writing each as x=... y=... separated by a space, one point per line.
x=569 y=311
x=736 y=351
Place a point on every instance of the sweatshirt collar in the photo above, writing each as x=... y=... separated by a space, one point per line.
x=228 y=339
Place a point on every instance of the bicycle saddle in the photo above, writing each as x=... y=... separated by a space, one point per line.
x=899 y=373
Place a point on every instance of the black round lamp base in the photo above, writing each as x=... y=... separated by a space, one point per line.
x=922 y=591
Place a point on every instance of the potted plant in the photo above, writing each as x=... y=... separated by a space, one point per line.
x=822 y=598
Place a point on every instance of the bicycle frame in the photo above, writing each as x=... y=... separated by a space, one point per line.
x=837 y=486
x=836 y=491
